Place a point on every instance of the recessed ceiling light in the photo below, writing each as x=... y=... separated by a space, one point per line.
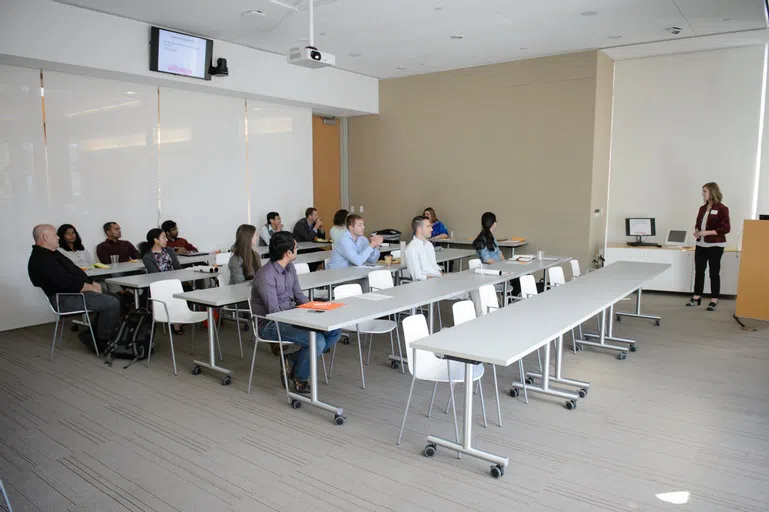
x=402 y=68
x=438 y=8
x=457 y=36
x=130 y=92
x=725 y=19
x=588 y=13
x=323 y=33
x=252 y=12
x=523 y=48
x=354 y=54
x=615 y=37
x=304 y=39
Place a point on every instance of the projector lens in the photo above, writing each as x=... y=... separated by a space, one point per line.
x=315 y=55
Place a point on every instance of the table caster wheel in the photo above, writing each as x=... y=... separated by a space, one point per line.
x=497 y=471
x=622 y=356
x=296 y=404
x=226 y=380
x=429 y=450
x=529 y=380
x=580 y=347
x=395 y=365
x=583 y=392
x=196 y=370
x=338 y=420
x=633 y=348
x=657 y=322
x=514 y=392
x=571 y=404
x=619 y=318
x=345 y=340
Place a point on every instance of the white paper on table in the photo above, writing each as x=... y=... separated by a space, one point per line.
x=376 y=297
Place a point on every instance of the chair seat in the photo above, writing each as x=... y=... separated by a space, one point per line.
x=376 y=326
x=457 y=373
x=192 y=317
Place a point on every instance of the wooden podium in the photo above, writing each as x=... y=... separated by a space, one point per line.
x=753 y=284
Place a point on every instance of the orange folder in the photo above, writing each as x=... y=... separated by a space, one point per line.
x=321 y=306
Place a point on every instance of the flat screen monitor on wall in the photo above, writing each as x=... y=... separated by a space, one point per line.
x=180 y=54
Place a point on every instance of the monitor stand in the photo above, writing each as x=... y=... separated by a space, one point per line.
x=640 y=243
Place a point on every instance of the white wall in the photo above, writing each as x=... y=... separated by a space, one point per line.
x=60 y=37
x=680 y=121
x=138 y=155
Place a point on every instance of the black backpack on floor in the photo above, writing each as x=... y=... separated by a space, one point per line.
x=132 y=339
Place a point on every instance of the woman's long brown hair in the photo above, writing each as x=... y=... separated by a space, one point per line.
x=243 y=249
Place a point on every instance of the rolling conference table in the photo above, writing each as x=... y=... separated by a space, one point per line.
x=362 y=308
x=510 y=244
x=214 y=298
x=505 y=336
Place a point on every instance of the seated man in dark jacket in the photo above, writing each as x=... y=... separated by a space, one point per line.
x=55 y=273
x=310 y=227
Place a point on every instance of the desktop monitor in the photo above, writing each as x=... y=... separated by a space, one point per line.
x=763 y=217
x=640 y=227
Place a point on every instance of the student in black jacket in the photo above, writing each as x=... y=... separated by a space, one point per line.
x=55 y=273
x=310 y=227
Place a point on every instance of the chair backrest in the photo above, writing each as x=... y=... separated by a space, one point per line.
x=380 y=280
x=575 y=272
x=464 y=311
x=164 y=291
x=428 y=367
x=556 y=276
x=396 y=254
x=347 y=290
x=223 y=258
x=528 y=286
x=302 y=268
x=474 y=263
x=488 y=296
x=325 y=263
x=223 y=278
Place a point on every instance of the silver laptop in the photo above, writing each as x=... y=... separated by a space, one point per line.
x=676 y=238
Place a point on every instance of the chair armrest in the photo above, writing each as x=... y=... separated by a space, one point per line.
x=165 y=307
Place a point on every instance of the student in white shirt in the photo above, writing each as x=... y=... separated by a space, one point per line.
x=274 y=224
x=420 y=253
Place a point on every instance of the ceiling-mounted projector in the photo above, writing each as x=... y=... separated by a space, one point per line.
x=310 y=57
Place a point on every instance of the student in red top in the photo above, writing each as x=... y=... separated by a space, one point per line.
x=178 y=244
x=710 y=231
x=114 y=245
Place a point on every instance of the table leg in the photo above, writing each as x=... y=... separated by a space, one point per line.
x=467 y=439
x=637 y=313
x=430 y=317
x=136 y=298
x=504 y=296
x=558 y=369
x=602 y=337
x=297 y=399
x=546 y=378
x=211 y=364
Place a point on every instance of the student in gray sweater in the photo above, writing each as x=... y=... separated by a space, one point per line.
x=244 y=261
x=155 y=255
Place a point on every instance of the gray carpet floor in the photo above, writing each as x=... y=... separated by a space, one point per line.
x=688 y=412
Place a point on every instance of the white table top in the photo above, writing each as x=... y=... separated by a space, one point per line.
x=465 y=241
x=359 y=309
x=138 y=265
x=506 y=335
x=232 y=294
x=116 y=269
x=224 y=295
x=144 y=280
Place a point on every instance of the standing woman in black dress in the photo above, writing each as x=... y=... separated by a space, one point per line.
x=710 y=231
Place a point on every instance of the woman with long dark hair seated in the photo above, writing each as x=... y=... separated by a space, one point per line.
x=155 y=255
x=485 y=244
x=244 y=261
x=71 y=246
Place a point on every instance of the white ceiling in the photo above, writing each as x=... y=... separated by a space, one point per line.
x=377 y=37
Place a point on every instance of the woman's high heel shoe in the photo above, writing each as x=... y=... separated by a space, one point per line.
x=712 y=306
x=694 y=302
